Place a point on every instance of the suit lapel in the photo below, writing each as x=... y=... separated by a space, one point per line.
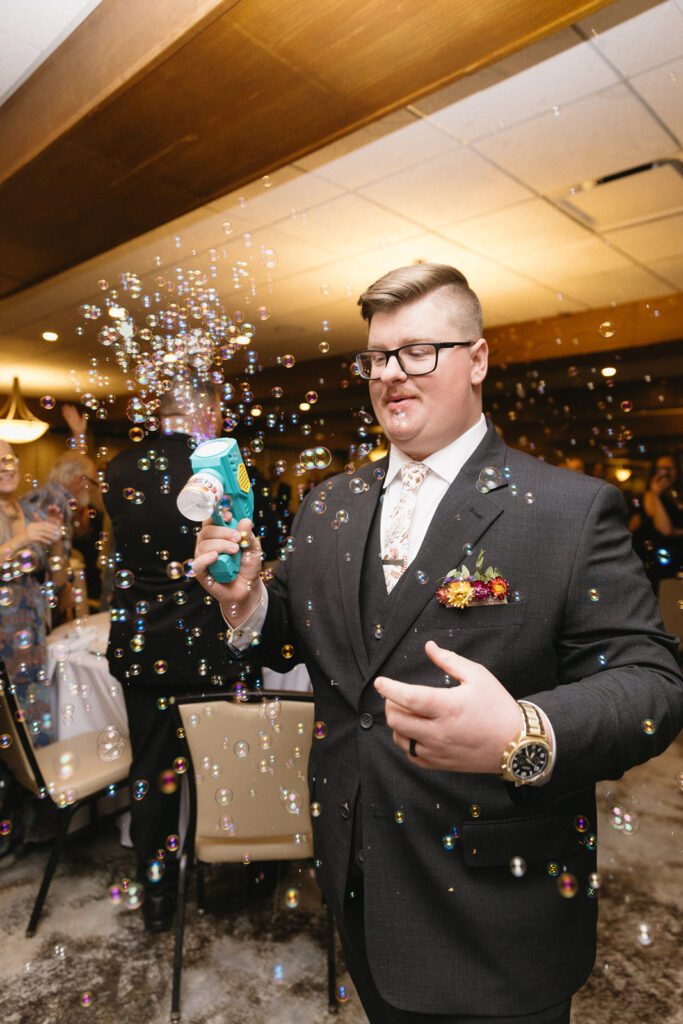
x=461 y=519
x=351 y=541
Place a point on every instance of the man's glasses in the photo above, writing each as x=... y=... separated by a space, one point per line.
x=414 y=360
x=9 y=463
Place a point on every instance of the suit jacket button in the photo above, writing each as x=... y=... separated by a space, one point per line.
x=345 y=810
x=366 y=720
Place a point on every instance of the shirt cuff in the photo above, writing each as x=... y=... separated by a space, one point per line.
x=550 y=733
x=240 y=638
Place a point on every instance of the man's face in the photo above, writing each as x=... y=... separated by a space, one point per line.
x=423 y=414
x=665 y=469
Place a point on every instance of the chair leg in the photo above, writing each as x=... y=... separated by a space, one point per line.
x=332 y=1004
x=55 y=854
x=201 y=891
x=179 y=931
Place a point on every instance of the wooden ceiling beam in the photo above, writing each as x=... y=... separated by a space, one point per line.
x=149 y=110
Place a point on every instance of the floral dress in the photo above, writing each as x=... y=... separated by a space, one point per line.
x=23 y=628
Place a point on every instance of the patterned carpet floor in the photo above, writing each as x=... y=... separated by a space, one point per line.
x=263 y=962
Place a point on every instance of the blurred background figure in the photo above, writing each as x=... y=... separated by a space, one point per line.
x=658 y=527
x=27 y=547
x=27 y=543
x=164 y=640
x=575 y=463
x=71 y=485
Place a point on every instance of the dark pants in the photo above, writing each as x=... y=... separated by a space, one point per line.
x=154 y=798
x=351 y=933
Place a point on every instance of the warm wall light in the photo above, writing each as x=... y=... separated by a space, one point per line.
x=50 y=336
x=18 y=425
x=622 y=473
x=608 y=371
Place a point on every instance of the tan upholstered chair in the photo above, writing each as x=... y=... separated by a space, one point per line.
x=71 y=772
x=247 y=764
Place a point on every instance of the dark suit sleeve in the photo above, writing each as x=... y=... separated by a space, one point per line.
x=620 y=698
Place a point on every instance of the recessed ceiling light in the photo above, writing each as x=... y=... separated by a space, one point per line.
x=50 y=336
x=608 y=371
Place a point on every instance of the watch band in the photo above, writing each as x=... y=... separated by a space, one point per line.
x=533 y=723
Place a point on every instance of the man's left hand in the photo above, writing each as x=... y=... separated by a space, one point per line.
x=462 y=728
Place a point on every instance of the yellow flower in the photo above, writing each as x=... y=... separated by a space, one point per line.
x=459 y=594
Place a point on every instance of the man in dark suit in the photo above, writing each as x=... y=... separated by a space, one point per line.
x=455 y=835
x=163 y=638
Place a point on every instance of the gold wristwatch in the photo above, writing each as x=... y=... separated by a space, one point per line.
x=529 y=757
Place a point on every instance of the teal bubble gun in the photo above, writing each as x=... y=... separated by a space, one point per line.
x=219 y=478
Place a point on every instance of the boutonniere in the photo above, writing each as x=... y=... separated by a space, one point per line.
x=461 y=588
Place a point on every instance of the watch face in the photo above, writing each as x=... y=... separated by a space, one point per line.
x=529 y=761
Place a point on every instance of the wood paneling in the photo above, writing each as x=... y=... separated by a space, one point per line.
x=151 y=109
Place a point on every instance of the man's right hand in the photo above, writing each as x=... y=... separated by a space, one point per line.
x=239 y=598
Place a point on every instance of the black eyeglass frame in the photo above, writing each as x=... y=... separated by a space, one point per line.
x=389 y=352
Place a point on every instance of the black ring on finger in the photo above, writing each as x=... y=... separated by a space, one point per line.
x=411 y=748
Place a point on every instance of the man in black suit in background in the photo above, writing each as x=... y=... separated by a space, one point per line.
x=164 y=627
x=484 y=647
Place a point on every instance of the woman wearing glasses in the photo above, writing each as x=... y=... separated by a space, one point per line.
x=25 y=547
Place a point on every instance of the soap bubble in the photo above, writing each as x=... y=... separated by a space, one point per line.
x=517 y=867
x=110 y=744
x=124 y=579
x=607 y=329
x=292 y=899
x=644 y=934
x=47 y=402
x=489 y=478
x=567 y=886
x=293 y=802
x=320 y=730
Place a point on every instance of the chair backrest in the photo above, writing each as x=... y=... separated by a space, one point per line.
x=67 y=771
x=248 y=766
x=16 y=749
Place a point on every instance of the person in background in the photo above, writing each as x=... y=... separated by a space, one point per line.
x=658 y=527
x=26 y=544
x=164 y=631
x=27 y=547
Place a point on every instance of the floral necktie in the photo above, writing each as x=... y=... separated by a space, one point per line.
x=395 y=550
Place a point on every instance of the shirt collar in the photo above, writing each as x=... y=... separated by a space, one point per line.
x=448 y=461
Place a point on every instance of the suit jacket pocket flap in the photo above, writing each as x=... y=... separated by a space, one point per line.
x=549 y=837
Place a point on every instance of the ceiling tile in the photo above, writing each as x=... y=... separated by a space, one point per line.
x=604 y=287
x=670 y=269
x=525 y=227
x=651 y=37
x=599 y=135
x=290 y=193
x=568 y=76
x=413 y=143
x=16 y=59
x=656 y=240
x=662 y=89
x=551 y=266
x=347 y=225
x=446 y=189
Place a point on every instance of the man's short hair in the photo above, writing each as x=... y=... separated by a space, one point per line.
x=408 y=284
x=69 y=467
x=185 y=397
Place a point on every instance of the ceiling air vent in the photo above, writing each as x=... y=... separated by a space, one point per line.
x=629 y=197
